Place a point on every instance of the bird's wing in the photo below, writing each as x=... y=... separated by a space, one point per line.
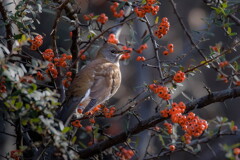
x=99 y=90
x=78 y=91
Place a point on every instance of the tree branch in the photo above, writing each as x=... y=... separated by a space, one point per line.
x=152 y=121
x=7 y=26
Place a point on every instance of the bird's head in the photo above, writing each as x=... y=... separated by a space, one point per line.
x=111 y=52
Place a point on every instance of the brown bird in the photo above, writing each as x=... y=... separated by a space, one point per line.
x=95 y=83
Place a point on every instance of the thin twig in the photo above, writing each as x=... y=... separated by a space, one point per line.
x=155 y=47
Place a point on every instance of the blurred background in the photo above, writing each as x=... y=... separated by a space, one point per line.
x=135 y=76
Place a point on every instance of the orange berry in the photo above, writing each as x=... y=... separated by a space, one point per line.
x=172 y=148
x=83 y=57
x=236 y=151
x=165 y=52
x=88 y=128
x=92 y=120
x=234 y=128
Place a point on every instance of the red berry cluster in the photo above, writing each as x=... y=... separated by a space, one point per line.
x=124 y=154
x=127 y=54
x=52 y=70
x=113 y=9
x=141 y=48
x=83 y=57
x=163 y=28
x=37 y=42
x=223 y=64
x=66 y=82
x=140 y=58
x=170 y=49
x=179 y=77
x=108 y=113
x=3 y=88
x=169 y=127
x=88 y=17
x=61 y=62
x=102 y=18
x=162 y=91
x=15 y=154
x=191 y=124
x=76 y=123
x=149 y=7
x=40 y=76
x=48 y=55
x=112 y=39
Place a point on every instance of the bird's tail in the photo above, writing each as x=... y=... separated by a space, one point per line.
x=67 y=110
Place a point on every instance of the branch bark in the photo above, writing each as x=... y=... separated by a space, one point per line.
x=8 y=26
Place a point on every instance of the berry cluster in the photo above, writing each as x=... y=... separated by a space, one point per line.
x=169 y=127
x=162 y=91
x=76 y=123
x=224 y=78
x=170 y=49
x=163 y=28
x=113 y=9
x=61 y=62
x=48 y=55
x=102 y=18
x=88 y=17
x=140 y=58
x=112 y=39
x=37 y=42
x=40 y=76
x=124 y=154
x=83 y=57
x=15 y=154
x=149 y=7
x=66 y=82
x=191 y=124
x=141 y=48
x=223 y=64
x=3 y=88
x=52 y=70
x=179 y=77
x=126 y=55
x=108 y=113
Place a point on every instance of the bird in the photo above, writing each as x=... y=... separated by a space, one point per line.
x=97 y=82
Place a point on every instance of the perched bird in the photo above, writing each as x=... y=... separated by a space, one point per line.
x=95 y=83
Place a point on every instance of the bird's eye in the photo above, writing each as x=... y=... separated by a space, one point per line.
x=113 y=51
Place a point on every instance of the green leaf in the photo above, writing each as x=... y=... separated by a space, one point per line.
x=156 y=20
x=144 y=1
x=74 y=139
x=233 y=34
x=19 y=105
x=146 y=39
x=66 y=129
x=161 y=139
